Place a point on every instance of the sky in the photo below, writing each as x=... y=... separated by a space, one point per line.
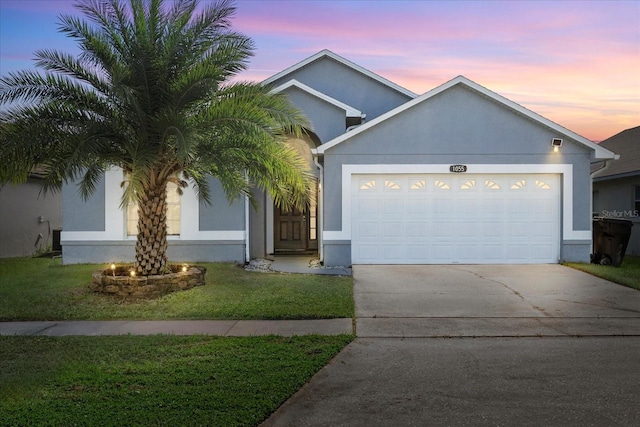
x=576 y=63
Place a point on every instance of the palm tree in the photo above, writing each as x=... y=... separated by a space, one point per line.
x=151 y=93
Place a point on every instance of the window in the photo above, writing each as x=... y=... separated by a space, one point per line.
x=468 y=185
x=636 y=204
x=391 y=185
x=313 y=215
x=491 y=185
x=173 y=213
x=418 y=184
x=441 y=185
x=542 y=185
x=519 y=185
x=368 y=185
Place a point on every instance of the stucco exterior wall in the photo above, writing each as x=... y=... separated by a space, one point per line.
x=460 y=126
x=20 y=209
x=257 y=227
x=347 y=85
x=328 y=120
x=214 y=232
x=220 y=214
x=83 y=215
x=615 y=199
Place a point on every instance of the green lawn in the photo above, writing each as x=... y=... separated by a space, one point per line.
x=628 y=274
x=42 y=289
x=159 y=380
x=154 y=380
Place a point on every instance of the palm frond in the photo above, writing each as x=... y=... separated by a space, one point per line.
x=150 y=94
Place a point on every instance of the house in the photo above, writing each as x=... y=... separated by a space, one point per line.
x=29 y=220
x=459 y=174
x=616 y=185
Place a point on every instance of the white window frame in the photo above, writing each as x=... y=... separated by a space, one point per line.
x=174 y=202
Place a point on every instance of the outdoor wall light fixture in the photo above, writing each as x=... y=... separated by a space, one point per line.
x=556 y=143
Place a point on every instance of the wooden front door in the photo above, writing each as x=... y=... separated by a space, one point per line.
x=290 y=228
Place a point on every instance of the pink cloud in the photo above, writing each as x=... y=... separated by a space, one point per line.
x=574 y=62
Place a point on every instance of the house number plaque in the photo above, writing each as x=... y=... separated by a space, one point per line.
x=458 y=168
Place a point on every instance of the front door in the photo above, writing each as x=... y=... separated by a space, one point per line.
x=290 y=228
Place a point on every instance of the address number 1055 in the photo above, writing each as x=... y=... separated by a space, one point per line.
x=458 y=168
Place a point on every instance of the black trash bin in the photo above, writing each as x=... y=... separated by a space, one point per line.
x=610 y=239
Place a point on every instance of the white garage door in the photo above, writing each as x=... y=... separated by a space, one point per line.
x=455 y=218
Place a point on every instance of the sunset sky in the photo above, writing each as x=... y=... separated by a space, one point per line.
x=575 y=62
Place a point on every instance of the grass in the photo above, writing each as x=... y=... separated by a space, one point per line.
x=43 y=289
x=154 y=380
x=159 y=380
x=628 y=274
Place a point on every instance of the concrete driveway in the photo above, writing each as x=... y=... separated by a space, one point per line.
x=490 y=300
x=480 y=346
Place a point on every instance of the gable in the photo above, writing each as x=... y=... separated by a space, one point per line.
x=462 y=117
x=349 y=110
x=328 y=119
x=346 y=82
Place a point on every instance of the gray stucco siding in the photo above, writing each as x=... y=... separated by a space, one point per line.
x=204 y=251
x=213 y=232
x=575 y=251
x=457 y=121
x=615 y=200
x=123 y=251
x=581 y=191
x=258 y=227
x=456 y=126
x=348 y=86
x=83 y=215
x=329 y=121
x=461 y=126
x=337 y=253
x=20 y=208
x=616 y=195
x=221 y=214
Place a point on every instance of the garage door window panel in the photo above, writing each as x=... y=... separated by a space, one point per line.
x=441 y=185
x=390 y=185
x=469 y=185
x=418 y=185
x=492 y=185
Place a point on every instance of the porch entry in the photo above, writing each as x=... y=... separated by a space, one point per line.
x=295 y=230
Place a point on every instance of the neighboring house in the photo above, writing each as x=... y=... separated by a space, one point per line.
x=29 y=220
x=457 y=175
x=616 y=185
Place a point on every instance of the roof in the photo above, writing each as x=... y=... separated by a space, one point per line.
x=328 y=54
x=599 y=152
x=627 y=145
x=349 y=111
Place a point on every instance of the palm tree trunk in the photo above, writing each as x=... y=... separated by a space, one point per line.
x=151 y=244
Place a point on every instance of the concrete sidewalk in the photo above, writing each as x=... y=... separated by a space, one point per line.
x=225 y=328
